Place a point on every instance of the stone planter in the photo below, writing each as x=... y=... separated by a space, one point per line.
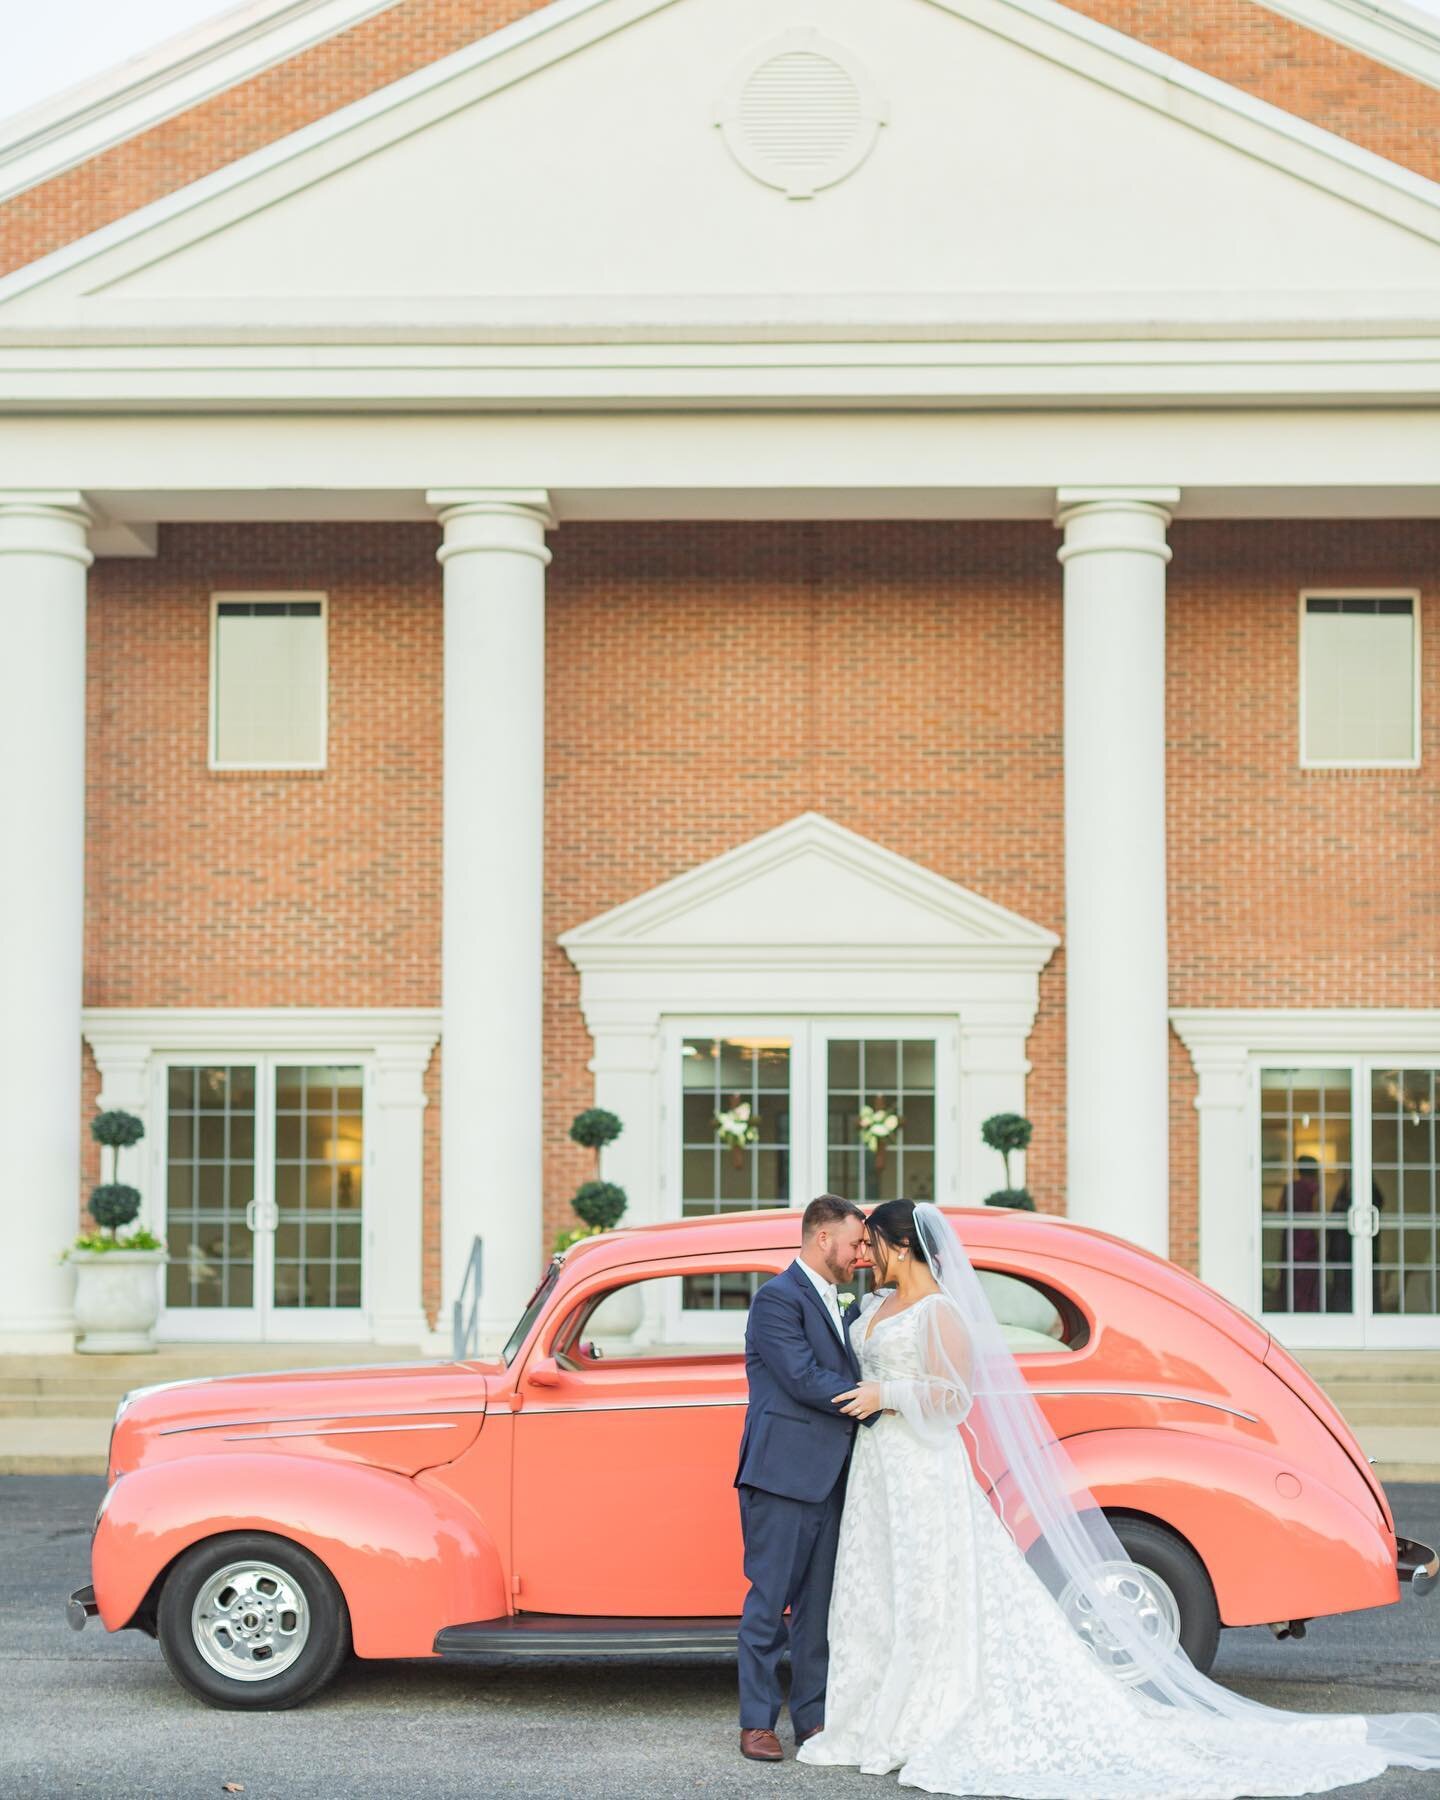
x=117 y=1300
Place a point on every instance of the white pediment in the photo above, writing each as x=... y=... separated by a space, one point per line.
x=810 y=887
x=581 y=173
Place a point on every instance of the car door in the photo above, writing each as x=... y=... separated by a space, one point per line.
x=626 y=1442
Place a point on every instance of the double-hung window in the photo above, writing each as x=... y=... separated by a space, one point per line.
x=1359 y=680
x=268 y=681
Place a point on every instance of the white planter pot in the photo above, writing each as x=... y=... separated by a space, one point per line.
x=117 y=1300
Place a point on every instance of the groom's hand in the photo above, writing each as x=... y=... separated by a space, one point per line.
x=860 y=1402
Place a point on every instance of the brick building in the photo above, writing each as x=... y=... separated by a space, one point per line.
x=680 y=554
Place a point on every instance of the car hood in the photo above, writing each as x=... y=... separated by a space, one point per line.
x=405 y=1416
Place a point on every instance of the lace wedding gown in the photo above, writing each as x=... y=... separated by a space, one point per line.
x=950 y=1661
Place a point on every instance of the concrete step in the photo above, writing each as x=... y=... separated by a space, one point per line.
x=174 y=1362
x=52 y=1406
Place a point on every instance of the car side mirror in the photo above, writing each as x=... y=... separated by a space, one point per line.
x=544 y=1371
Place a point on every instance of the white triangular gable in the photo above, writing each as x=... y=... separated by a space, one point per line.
x=812 y=888
x=574 y=174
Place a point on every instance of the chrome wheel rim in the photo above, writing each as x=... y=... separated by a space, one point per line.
x=250 y=1621
x=1148 y=1600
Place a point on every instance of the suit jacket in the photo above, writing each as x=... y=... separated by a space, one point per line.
x=796 y=1441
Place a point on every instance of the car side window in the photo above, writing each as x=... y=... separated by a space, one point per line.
x=655 y=1319
x=1032 y=1316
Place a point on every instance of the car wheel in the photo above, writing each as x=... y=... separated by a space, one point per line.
x=252 y=1621
x=1179 y=1582
x=1171 y=1597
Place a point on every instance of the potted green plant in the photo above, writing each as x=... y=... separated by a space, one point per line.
x=117 y=1280
x=1008 y=1133
x=600 y=1206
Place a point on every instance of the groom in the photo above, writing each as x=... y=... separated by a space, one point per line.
x=793 y=1460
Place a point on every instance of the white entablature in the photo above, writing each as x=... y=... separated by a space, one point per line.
x=806 y=920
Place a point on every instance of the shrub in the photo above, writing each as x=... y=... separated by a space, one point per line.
x=594 y=1128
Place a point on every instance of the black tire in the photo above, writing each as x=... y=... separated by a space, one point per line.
x=1164 y=1554
x=317 y=1624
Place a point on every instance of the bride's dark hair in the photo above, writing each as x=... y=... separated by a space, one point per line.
x=894 y=1220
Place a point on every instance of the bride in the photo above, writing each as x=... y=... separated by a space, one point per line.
x=950 y=1660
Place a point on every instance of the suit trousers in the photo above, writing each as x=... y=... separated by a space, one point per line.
x=789 y=1561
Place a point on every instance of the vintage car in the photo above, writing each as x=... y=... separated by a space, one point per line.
x=574 y=1497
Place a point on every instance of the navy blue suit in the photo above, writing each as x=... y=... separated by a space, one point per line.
x=793 y=1459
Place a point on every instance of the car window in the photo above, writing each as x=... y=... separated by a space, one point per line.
x=1033 y=1317
x=661 y=1317
x=531 y=1313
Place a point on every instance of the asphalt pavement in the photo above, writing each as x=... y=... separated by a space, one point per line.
x=87 y=1714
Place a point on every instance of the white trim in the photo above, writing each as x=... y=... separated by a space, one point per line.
x=213 y=723
x=970 y=966
x=1372 y=593
x=181 y=72
x=131 y=1046
x=1227 y=1046
x=1075 y=42
x=1402 y=37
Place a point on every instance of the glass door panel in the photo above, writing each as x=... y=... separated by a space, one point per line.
x=263 y=1175
x=1308 y=1252
x=210 y=1187
x=880 y=1119
x=1403 y=1203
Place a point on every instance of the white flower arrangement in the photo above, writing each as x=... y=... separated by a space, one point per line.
x=845 y=1300
x=876 y=1125
x=735 y=1128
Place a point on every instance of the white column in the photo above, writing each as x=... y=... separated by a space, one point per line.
x=397 y=1165
x=1117 y=1036
x=43 y=559
x=494 y=559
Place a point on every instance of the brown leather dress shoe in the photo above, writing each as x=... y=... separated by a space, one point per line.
x=800 y=1736
x=761 y=1746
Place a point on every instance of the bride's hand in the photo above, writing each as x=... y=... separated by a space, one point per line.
x=860 y=1402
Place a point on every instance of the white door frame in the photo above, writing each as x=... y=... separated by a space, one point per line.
x=1229 y=1046
x=262 y=1321
x=394 y=1047
x=809 y=1107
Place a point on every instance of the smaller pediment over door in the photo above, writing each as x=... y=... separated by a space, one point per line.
x=808 y=922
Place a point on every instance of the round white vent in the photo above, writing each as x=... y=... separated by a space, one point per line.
x=799 y=115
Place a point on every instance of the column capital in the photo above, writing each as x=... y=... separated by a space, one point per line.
x=1131 y=519
x=508 y=520
x=46 y=522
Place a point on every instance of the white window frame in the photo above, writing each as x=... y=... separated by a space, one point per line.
x=212 y=726
x=1359 y=593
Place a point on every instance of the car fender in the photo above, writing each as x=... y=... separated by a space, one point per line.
x=408 y=1560
x=1277 y=1542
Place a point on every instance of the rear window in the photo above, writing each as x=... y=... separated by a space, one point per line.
x=1033 y=1317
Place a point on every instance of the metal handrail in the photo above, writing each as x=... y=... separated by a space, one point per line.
x=465 y=1324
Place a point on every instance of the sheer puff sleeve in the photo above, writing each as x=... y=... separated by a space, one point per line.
x=934 y=1403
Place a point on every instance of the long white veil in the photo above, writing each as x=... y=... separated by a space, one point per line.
x=1046 y=1508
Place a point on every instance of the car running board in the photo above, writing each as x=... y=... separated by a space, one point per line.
x=559 y=1634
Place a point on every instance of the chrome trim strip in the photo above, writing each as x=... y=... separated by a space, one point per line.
x=403 y=1412
x=1151 y=1394
x=266 y=1437
x=630 y=1406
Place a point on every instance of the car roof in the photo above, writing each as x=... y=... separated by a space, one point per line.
x=984 y=1228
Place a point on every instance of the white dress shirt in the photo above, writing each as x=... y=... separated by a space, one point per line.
x=828 y=1293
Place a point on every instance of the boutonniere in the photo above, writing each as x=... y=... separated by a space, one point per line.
x=845 y=1300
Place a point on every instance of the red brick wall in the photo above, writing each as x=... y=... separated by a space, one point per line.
x=1237 y=41
x=707 y=682
x=229 y=888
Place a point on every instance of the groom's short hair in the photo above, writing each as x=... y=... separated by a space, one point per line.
x=827 y=1209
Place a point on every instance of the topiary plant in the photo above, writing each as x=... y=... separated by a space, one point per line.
x=600 y=1204
x=1008 y=1133
x=594 y=1128
x=114 y=1204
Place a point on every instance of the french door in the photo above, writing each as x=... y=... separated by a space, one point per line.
x=257 y=1185
x=1349 y=1164
x=770 y=1112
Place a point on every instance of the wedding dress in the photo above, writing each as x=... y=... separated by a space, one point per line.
x=950 y=1660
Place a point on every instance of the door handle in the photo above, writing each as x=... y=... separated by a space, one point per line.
x=261 y=1215
x=250 y=1206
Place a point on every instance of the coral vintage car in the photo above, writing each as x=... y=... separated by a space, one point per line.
x=574 y=1497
